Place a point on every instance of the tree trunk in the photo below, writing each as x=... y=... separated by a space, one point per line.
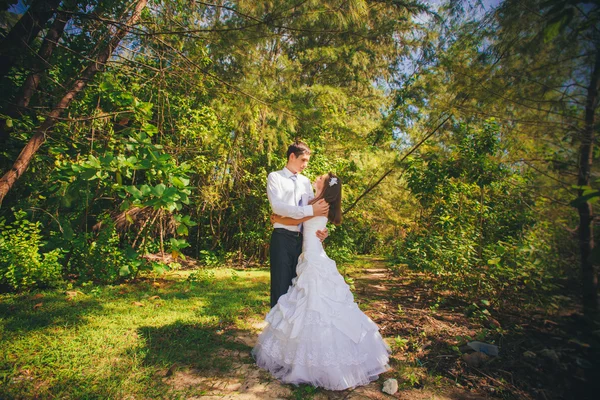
x=50 y=41
x=586 y=231
x=33 y=80
x=22 y=162
x=24 y=31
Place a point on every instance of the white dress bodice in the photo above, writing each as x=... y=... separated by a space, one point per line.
x=310 y=242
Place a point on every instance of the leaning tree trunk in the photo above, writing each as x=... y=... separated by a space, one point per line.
x=50 y=41
x=22 y=34
x=39 y=137
x=32 y=82
x=586 y=232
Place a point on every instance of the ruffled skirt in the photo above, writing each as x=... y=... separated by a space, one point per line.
x=317 y=335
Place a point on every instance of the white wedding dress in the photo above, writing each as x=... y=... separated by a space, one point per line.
x=316 y=333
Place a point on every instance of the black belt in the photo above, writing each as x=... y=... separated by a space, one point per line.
x=283 y=231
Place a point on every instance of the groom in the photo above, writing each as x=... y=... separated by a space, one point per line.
x=289 y=194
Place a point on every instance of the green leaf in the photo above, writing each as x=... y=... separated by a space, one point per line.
x=137 y=193
x=178 y=182
x=130 y=253
x=126 y=99
x=125 y=205
x=124 y=270
x=143 y=107
x=164 y=158
x=182 y=230
x=88 y=174
x=107 y=86
x=93 y=162
x=107 y=159
x=557 y=24
x=149 y=129
x=159 y=268
x=159 y=189
x=145 y=189
x=178 y=244
x=146 y=164
x=171 y=193
x=187 y=221
x=184 y=199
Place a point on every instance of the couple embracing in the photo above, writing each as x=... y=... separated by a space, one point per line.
x=316 y=334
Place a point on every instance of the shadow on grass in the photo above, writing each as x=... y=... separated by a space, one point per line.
x=203 y=348
x=213 y=342
x=27 y=313
x=212 y=348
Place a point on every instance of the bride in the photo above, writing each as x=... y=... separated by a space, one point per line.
x=316 y=334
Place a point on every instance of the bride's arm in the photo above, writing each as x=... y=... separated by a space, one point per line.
x=287 y=220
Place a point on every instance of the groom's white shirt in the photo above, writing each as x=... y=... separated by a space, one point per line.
x=280 y=190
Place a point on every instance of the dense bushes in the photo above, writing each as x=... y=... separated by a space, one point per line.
x=102 y=257
x=23 y=262
x=478 y=232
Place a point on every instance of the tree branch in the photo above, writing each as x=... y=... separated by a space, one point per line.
x=415 y=147
x=26 y=155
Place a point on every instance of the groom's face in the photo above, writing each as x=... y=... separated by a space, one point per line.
x=298 y=163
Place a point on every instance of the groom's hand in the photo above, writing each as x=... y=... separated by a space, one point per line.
x=320 y=208
x=322 y=235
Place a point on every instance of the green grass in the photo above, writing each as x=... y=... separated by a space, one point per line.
x=100 y=344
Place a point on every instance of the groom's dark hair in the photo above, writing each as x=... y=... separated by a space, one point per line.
x=297 y=148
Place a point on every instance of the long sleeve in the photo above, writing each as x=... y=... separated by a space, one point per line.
x=279 y=206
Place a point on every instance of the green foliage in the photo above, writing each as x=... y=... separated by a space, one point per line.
x=23 y=263
x=136 y=171
x=307 y=392
x=340 y=245
x=101 y=257
x=477 y=233
x=209 y=258
x=400 y=344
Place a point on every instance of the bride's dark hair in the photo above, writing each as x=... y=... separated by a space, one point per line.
x=332 y=193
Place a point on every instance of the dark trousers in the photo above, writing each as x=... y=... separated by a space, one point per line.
x=286 y=247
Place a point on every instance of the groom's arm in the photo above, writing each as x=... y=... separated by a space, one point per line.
x=279 y=207
x=287 y=220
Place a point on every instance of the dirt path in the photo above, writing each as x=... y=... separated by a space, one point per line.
x=374 y=285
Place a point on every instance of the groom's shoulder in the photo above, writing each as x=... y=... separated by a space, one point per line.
x=275 y=174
